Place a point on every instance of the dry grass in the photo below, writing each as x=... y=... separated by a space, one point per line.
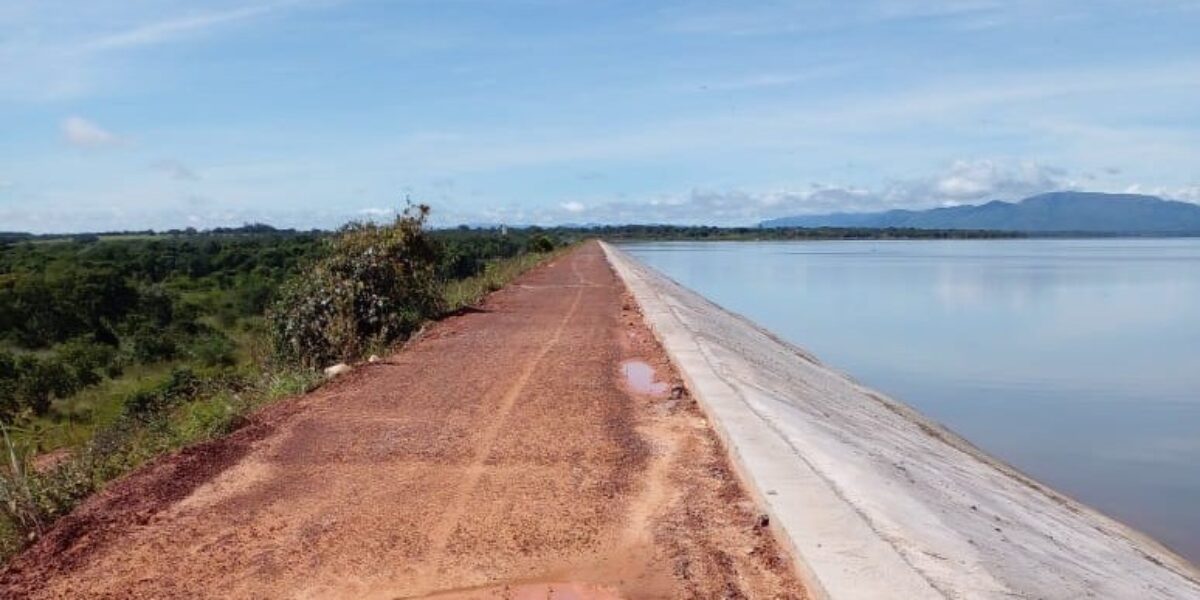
x=467 y=292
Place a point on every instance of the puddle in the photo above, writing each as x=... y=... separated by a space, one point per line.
x=639 y=376
x=535 y=591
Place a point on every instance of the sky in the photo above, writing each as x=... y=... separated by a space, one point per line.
x=309 y=113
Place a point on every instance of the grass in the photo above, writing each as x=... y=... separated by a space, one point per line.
x=498 y=273
x=74 y=420
x=77 y=418
x=201 y=408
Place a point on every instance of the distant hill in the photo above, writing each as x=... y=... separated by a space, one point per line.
x=1084 y=212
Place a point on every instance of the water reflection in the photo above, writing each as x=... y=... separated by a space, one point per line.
x=1076 y=360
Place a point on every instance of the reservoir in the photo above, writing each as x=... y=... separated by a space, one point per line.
x=1076 y=361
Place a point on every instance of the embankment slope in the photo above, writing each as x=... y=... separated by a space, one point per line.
x=875 y=500
x=499 y=456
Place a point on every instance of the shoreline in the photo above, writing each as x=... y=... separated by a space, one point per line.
x=874 y=498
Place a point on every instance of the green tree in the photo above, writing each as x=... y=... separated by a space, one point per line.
x=87 y=360
x=9 y=403
x=41 y=379
x=539 y=243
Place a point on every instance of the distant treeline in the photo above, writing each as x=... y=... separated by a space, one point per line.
x=513 y=237
x=249 y=228
x=683 y=232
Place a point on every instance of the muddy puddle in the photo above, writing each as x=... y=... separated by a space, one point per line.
x=534 y=591
x=640 y=377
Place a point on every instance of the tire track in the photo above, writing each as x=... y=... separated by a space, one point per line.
x=441 y=534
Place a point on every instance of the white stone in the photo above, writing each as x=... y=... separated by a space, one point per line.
x=338 y=369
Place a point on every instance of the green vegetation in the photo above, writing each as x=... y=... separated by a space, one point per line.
x=375 y=285
x=116 y=349
x=75 y=313
x=159 y=415
x=461 y=293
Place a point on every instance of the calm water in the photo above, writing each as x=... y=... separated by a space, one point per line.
x=1078 y=361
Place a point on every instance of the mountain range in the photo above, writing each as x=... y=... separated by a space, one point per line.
x=1074 y=212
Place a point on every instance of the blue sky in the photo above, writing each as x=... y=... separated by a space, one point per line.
x=309 y=113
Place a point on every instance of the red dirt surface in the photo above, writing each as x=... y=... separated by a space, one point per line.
x=499 y=456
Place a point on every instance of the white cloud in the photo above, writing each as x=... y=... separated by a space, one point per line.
x=944 y=112
x=785 y=18
x=171 y=29
x=83 y=133
x=979 y=179
x=175 y=170
x=1187 y=193
x=700 y=206
x=55 y=50
x=761 y=80
x=962 y=182
x=764 y=19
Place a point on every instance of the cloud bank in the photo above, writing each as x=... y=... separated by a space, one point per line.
x=961 y=182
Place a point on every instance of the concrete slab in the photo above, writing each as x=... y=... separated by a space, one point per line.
x=874 y=499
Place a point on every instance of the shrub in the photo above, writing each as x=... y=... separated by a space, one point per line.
x=539 y=243
x=374 y=286
x=149 y=345
x=29 y=500
x=214 y=350
x=90 y=361
x=10 y=405
x=253 y=296
x=29 y=382
x=153 y=403
x=38 y=380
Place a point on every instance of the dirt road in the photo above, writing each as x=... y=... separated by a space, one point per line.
x=508 y=453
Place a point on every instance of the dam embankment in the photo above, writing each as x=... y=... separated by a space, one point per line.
x=502 y=454
x=875 y=500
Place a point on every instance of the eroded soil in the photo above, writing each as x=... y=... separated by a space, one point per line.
x=505 y=454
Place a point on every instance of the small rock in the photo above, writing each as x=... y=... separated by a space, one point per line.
x=338 y=369
x=374 y=359
x=762 y=521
